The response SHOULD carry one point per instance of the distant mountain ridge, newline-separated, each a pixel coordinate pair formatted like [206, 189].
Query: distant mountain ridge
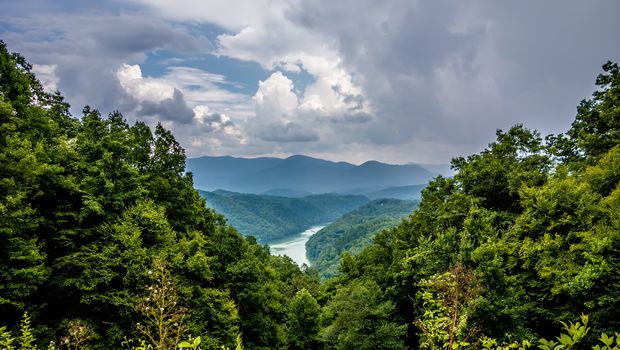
[398, 192]
[301, 174]
[272, 217]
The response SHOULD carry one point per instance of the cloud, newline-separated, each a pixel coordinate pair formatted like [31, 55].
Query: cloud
[231, 14]
[156, 97]
[196, 86]
[174, 108]
[127, 34]
[432, 70]
[131, 79]
[281, 115]
[182, 96]
[46, 73]
[214, 121]
[356, 117]
[88, 47]
[399, 81]
[278, 43]
[275, 98]
[210, 131]
[288, 132]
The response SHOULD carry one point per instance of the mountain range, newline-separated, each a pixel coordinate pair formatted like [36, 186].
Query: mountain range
[299, 176]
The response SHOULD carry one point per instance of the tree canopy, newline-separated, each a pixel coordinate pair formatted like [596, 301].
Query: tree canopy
[89, 204]
[535, 220]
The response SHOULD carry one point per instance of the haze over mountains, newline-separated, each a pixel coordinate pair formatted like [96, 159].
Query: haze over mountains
[297, 176]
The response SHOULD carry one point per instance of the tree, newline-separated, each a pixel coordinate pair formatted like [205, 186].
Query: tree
[358, 318]
[302, 322]
[596, 128]
[445, 302]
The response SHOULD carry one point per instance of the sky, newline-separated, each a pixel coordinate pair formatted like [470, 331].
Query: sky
[348, 80]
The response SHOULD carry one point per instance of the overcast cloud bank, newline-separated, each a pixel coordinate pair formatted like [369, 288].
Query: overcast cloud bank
[400, 81]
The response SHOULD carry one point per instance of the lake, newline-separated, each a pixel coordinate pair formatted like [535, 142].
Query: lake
[295, 245]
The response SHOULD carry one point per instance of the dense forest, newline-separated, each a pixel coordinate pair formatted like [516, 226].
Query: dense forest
[91, 208]
[105, 244]
[353, 232]
[269, 218]
[525, 235]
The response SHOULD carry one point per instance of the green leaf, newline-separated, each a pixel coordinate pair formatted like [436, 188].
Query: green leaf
[565, 339]
[606, 339]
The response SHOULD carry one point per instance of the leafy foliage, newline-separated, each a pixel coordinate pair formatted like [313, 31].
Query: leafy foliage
[444, 304]
[359, 319]
[302, 322]
[88, 205]
[535, 221]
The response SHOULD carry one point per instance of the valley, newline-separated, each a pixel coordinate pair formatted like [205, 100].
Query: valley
[294, 246]
[297, 226]
[270, 218]
[365, 200]
[321, 246]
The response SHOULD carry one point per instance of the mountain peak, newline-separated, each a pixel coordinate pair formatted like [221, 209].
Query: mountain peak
[300, 156]
[371, 163]
[301, 174]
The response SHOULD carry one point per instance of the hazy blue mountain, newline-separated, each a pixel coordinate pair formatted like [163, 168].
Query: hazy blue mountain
[286, 192]
[442, 169]
[271, 217]
[399, 192]
[301, 174]
[354, 231]
[211, 173]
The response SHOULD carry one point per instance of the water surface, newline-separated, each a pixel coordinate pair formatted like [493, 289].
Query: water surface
[295, 245]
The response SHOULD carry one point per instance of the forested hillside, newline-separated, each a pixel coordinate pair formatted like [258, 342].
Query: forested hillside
[270, 217]
[100, 229]
[105, 244]
[525, 235]
[353, 232]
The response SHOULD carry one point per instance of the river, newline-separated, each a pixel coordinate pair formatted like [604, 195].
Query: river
[295, 245]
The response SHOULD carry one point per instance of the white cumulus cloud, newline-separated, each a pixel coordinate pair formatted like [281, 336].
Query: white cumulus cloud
[46, 73]
[275, 98]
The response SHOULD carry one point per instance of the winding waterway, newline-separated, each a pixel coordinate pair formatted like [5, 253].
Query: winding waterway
[295, 245]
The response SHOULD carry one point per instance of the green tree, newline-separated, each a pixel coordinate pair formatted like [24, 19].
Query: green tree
[596, 128]
[86, 205]
[359, 318]
[302, 322]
